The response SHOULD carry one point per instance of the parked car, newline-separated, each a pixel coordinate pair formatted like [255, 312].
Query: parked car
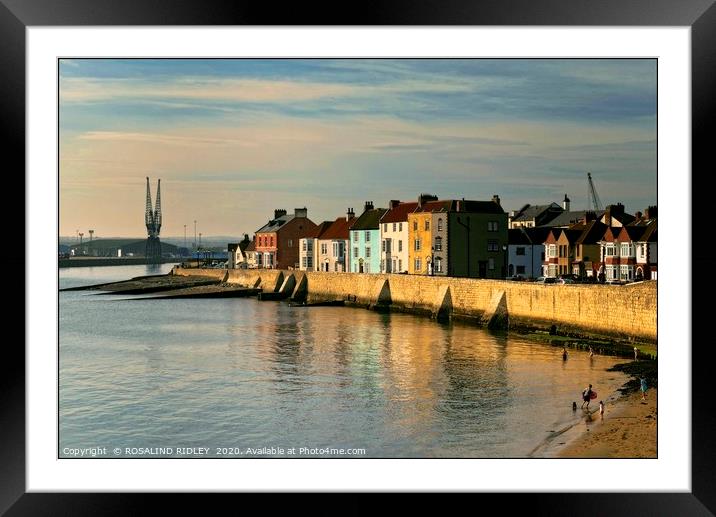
[546, 280]
[564, 281]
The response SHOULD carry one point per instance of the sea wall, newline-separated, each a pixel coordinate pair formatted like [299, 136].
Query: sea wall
[626, 311]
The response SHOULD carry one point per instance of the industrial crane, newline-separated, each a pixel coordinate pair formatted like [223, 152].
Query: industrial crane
[593, 193]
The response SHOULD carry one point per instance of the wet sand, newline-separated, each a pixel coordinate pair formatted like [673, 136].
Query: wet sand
[628, 430]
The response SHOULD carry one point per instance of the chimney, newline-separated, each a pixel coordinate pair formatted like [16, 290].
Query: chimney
[565, 203]
[246, 237]
[458, 205]
[650, 212]
[394, 203]
[350, 214]
[300, 212]
[368, 206]
[589, 215]
[637, 215]
[423, 198]
[496, 199]
[278, 213]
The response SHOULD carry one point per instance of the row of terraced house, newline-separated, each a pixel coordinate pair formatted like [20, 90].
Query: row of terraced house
[459, 237]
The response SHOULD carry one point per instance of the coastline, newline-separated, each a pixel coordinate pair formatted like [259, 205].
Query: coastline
[628, 430]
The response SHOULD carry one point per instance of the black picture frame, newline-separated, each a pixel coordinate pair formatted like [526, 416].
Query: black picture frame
[700, 15]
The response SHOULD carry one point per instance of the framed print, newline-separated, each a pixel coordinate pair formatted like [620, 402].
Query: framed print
[466, 373]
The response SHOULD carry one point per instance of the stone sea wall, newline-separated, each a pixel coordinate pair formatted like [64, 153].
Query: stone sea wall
[626, 311]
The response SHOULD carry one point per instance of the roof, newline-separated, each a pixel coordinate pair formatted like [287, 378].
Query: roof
[232, 246]
[274, 224]
[631, 233]
[650, 233]
[531, 212]
[434, 206]
[517, 236]
[572, 235]
[251, 246]
[339, 229]
[319, 231]
[400, 213]
[464, 205]
[369, 219]
[537, 235]
[592, 233]
[571, 217]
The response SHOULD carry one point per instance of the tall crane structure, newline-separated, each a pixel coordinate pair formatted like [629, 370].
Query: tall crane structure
[593, 197]
[153, 220]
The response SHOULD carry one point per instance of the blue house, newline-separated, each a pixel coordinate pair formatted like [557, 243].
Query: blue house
[364, 241]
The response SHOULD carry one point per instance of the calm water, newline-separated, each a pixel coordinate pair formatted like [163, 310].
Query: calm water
[238, 373]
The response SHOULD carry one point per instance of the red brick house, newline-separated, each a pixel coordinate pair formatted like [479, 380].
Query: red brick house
[277, 242]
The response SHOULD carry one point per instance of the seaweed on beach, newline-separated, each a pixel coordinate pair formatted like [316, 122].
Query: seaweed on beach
[637, 369]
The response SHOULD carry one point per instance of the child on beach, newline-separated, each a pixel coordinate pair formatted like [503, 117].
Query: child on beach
[564, 354]
[591, 352]
[643, 388]
[586, 396]
[601, 409]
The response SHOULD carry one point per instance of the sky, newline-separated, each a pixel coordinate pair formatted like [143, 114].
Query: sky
[232, 140]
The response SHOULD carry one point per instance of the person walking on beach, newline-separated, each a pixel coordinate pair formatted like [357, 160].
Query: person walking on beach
[591, 352]
[564, 354]
[586, 396]
[643, 388]
[601, 409]
[636, 353]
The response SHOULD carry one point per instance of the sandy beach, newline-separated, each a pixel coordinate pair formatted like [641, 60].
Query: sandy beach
[628, 430]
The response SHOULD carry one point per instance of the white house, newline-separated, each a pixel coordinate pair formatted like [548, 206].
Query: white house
[394, 237]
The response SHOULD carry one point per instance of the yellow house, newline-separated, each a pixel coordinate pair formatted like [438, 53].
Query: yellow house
[427, 237]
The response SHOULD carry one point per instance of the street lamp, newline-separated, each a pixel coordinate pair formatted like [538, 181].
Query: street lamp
[504, 261]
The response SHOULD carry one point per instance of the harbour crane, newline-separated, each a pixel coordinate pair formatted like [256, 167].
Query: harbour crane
[594, 198]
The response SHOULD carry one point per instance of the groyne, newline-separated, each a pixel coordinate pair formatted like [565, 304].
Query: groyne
[615, 311]
[108, 261]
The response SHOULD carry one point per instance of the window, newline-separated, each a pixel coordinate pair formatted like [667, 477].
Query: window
[490, 263]
[382, 244]
[427, 224]
[303, 244]
[520, 250]
[438, 243]
[438, 265]
[416, 246]
[400, 245]
[367, 253]
[491, 226]
[310, 262]
[440, 224]
[611, 250]
[552, 250]
[367, 236]
[400, 227]
[290, 243]
[355, 236]
[303, 262]
[400, 265]
[355, 252]
[385, 227]
[415, 225]
[310, 244]
[520, 270]
[393, 226]
[492, 246]
[417, 264]
[324, 248]
[337, 249]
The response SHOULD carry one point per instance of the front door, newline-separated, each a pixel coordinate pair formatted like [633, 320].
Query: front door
[482, 269]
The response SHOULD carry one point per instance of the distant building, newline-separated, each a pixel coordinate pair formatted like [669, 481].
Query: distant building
[251, 254]
[587, 258]
[530, 216]
[277, 242]
[333, 245]
[365, 240]
[237, 253]
[308, 252]
[525, 251]
[629, 253]
[560, 251]
[394, 237]
[458, 237]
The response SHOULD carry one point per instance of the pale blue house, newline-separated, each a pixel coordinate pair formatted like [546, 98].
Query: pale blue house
[364, 243]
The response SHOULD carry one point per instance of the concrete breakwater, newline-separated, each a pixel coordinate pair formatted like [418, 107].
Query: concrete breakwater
[623, 312]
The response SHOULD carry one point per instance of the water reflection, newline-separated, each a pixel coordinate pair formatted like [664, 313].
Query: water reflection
[265, 373]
